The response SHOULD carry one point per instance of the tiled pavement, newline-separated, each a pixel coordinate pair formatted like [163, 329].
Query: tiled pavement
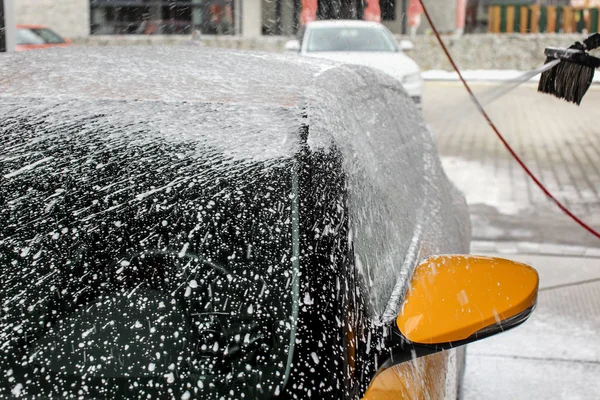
[560, 142]
[554, 354]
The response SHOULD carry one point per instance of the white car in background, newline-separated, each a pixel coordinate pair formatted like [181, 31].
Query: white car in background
[363, 43]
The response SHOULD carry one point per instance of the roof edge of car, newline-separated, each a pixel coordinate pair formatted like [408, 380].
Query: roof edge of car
[31, 26]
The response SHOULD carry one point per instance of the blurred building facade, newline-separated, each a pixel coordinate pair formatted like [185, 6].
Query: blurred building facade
[533, 16]
[81, 18]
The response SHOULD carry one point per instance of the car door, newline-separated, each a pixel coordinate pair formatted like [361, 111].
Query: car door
[398, 198]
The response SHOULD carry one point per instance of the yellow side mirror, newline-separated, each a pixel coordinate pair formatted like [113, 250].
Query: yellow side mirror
[461, 298]
[452, 300]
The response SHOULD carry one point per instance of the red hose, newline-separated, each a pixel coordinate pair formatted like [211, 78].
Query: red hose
[508, 147]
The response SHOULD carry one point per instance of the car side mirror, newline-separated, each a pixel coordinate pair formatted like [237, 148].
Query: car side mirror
[292, 46]
[457, 299]
[453, 300]
[406, 45]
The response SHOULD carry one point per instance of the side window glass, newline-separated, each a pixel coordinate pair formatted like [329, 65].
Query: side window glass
[142, 259]
[385, 157]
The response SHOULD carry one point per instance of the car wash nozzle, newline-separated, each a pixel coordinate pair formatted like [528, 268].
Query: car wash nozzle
[572, 75]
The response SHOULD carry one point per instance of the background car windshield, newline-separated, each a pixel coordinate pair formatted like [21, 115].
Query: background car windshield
[136, 263]
[48, 36]
[349, 39]
[28, 36]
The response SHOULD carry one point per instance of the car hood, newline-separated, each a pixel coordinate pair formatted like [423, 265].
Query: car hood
[395, 64]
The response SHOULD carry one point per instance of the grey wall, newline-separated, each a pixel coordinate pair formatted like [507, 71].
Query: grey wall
[443, 14]
[69, 18]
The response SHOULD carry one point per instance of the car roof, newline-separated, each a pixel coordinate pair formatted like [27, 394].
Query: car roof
[249, 105]
[343, 23]
[177, 73]
[31, 26]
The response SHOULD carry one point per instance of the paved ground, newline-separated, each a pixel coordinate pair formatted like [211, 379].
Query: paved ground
[559, 141]
[553, 355]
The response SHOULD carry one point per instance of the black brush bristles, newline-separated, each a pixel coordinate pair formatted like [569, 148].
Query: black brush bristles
[572, 81]
[572, 76]
[548, 78]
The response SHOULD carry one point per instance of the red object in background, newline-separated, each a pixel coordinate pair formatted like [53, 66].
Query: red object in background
[309, 11]
[415, 9]
[461, 11]
[220, 13]
[372, 11]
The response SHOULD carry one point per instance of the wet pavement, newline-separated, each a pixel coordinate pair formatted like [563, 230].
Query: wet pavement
[553, 355]
[560, 142]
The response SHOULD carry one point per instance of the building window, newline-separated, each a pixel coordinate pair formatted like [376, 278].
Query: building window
[109, 17]
[388, 10]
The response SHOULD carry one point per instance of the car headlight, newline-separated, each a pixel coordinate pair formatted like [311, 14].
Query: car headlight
[415, 77]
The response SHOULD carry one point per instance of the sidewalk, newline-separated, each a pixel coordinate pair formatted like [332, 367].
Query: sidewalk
[553, 355]
[508, 249]
[556, 353]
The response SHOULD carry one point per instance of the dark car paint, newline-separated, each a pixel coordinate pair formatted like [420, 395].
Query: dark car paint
[355, 249]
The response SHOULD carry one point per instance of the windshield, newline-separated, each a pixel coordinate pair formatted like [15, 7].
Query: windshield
[350, 39]
[139, 264]
[37, 36]
[48, 36]
[27, 36]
